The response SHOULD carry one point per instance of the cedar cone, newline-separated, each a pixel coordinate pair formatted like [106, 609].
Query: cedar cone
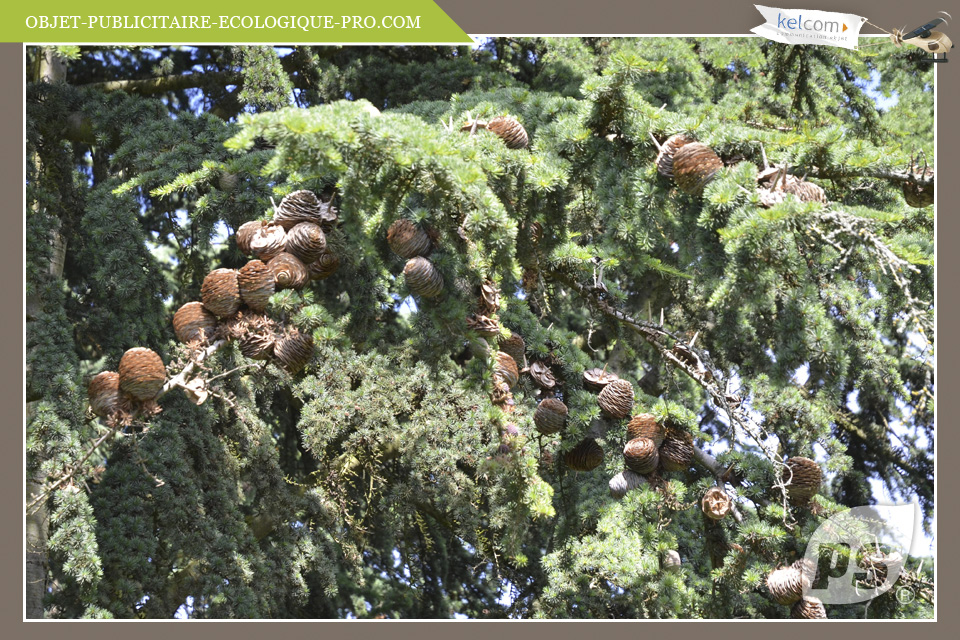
[104, 393]
[245, 234]
[806, 191]
[640, 455]
[193, 323]
[256, 283]
[305, 206]
[423, 279]
[597, 379]
[515, 347]
[645, 425]
[257, 346]
[918, 196]
[221, 293]
[289, 271]
[293, 351]
[623, 482]
[306, 241]
[616, 399]
[407, 240]
[805, 480]
[506, 369]
[267, 241]
[510, 131]
[808, 608]
[787, 584]
[142, 373]
[716, 504]
[694, 165]
[542, 375]
[228, 181]
[489, 298]
[667, 151]
[670, 561]
[586, 456]
[324, 266]
[676, 452]
[550, 416]
[484, 326]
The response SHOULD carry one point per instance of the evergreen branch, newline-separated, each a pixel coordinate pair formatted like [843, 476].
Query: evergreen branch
[858, 230]
[163, 84]
[867, 172]
[652, 334]
[72, 470]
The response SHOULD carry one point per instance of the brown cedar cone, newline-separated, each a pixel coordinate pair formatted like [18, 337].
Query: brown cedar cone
[586, 456]
[506, 369]
[597, 379]
[267, 241]
[306, 241]
[623, 482]
[808, 608]
[716, 504]
[407, 240]
[676, 452]
[616, 399]
[289, 271]
[142, 373]
[245, 234]
[640, 455]
[668, 150]
[423, 279]
[193, 323]
[256, 283]
[542, 375]
[806, 191]
[257, 346]
[510, 131]
[644, 425]
[694, 165]
[305, 206]
[501, 393]
[550, 416]
[918, 196]
[293, 350]
[324, 266]
[484, 326]
[515, 347]
[104, 393]
[787, 584]
[806, 478]
[221, 293]
[670, 561]
[489, 298]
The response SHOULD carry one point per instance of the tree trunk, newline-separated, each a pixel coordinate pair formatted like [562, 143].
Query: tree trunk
[52, 69]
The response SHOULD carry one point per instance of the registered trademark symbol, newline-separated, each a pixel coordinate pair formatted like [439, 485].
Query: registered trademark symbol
[905, 595]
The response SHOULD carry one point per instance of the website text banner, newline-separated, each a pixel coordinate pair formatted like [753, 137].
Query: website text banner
[178, 21]
[803, 26]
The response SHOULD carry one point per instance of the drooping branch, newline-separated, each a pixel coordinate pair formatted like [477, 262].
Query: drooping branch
[653, 334]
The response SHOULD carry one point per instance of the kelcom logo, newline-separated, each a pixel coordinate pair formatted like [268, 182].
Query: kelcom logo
[799, 24]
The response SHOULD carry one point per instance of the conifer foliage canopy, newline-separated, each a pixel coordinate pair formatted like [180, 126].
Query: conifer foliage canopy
[401, 473]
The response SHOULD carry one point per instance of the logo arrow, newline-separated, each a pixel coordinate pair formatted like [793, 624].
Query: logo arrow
[844, 28]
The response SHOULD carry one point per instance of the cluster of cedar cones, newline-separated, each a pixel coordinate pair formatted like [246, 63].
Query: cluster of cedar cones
[692, 165]
[288, 252]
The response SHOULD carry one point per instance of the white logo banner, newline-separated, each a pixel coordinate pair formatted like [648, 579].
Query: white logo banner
[802, 26]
